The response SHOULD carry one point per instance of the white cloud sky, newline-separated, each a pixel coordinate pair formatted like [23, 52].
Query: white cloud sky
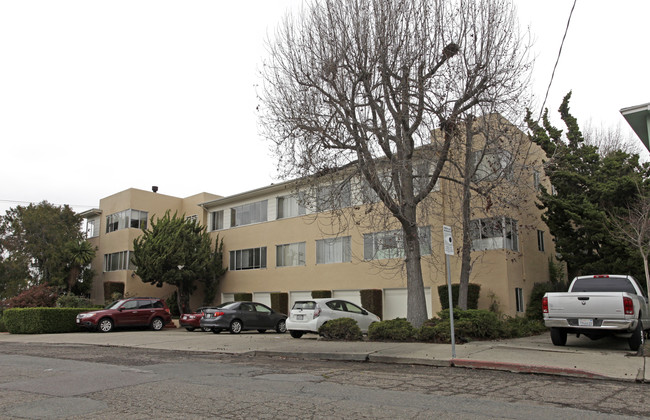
[98, 97]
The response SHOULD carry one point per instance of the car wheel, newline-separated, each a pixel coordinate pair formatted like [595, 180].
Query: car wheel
[636, 340]
[205, 329]
[281, 328]
[105, 325]
[190, 329]
[157, 324]
[235, 327]
[216, 330]
[261, 331]
[296, 334]
[558, 336]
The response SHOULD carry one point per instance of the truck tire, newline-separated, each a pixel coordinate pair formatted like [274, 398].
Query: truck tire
[636, 340]
[558, 336]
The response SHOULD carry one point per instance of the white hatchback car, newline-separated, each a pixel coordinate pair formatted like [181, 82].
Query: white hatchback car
[307, 316]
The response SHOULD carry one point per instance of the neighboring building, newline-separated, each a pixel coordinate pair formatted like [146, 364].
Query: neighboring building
[113, 227]
[639, 119]
[274, 244]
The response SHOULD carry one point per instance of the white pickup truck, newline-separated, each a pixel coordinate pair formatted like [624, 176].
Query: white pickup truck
[598, 306]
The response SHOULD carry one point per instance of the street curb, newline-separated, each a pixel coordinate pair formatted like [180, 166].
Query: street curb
[407, 361]
[522, 368]
[346, 357]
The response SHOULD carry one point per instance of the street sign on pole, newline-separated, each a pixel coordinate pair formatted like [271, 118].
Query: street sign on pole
[449, 250]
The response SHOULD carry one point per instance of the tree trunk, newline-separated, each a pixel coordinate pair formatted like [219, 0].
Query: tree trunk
[466, 215]
[416, 312]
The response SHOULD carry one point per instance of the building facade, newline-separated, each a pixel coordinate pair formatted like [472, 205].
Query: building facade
[276, 242]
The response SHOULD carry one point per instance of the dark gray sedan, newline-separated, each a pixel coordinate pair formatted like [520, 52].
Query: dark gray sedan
[241, 316]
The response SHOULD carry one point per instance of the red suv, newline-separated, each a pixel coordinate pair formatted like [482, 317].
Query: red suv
[129, 312]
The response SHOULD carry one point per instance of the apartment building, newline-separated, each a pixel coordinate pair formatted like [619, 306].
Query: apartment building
[277, 242]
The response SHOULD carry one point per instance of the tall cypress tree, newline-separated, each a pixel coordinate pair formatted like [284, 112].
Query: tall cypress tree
[587, 190]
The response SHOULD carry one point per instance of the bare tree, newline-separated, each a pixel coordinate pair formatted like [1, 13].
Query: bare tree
[610, 139]
[361, 85]
[633, 227]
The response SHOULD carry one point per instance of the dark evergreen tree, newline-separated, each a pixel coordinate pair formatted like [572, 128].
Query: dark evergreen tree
[587, 190]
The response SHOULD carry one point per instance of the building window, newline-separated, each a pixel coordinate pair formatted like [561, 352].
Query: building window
[289, 206]
[216, 220]
[333, 250]
[336, 196]
[193, 218]
[390, 244]
[249, 213]
[494, 233]
[519, 297]
[290, 255]
[540, 240]
[248, 259]
[126, 219]
[92, 228]
[492, 165]
[118, 261]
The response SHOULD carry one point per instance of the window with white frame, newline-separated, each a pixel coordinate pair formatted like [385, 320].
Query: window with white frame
[216, 220]
[390, 244]
[289, 206]
[192, 218]
[494, 233]
[519, 298]
[290, 255]
[126, 219]
[334, 196]
[118, 261]
[540, 240]
[248, 259]
[248, 214]
[491, 165]
[333, 250]
[92, 228]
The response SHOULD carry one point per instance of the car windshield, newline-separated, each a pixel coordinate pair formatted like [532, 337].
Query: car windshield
[115, 304]
[305, 305]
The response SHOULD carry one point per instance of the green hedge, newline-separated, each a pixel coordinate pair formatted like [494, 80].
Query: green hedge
[42, 320]
[321, 294]
[341, 329]
[398, 329]
[243, 297]
[280, 302]
[371, 299]
[473, 292]
[3, 327]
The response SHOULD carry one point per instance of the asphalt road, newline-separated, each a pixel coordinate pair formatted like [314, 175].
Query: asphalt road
[93, 382]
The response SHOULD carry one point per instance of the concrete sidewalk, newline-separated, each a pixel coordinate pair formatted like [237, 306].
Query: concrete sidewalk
[609, 358]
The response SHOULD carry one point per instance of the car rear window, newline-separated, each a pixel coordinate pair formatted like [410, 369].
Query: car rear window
[604, 284]
[310, 304]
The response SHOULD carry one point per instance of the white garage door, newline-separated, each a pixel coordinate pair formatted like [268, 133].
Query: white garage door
[262, 297]
[227, 297]
[294, 296]
[350, 295]
[395, 303]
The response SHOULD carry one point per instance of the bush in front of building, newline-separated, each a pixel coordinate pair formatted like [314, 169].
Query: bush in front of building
[522, 327]
[3, 327]
[42, 320]
[341, 329]
[42, 296]
[473, 292]
[72, 301]
[243, 297]
[371, 299]
[321, 294]
[398, 329]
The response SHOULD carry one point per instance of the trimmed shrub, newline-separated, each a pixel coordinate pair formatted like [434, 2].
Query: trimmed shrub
[473, 292]
[321, 294]
[41, 296]
[435, 330]
[522, 327]
[534, 306]
[243, 297]
[42, 320]
[371, 299]
[280, 302]
[3, 327]
[72, 301]
[398, 329]
[341, 329]
[172, 304]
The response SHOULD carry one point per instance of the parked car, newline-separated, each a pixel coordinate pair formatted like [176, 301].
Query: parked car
[192, 320]
[130, 312]
[598, 306]
[241, 316]
[307, 316]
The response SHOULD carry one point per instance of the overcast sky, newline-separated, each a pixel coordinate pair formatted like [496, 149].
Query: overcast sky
[97, 97]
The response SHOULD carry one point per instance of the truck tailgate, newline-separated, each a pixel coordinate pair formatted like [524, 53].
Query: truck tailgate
[586, 305]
